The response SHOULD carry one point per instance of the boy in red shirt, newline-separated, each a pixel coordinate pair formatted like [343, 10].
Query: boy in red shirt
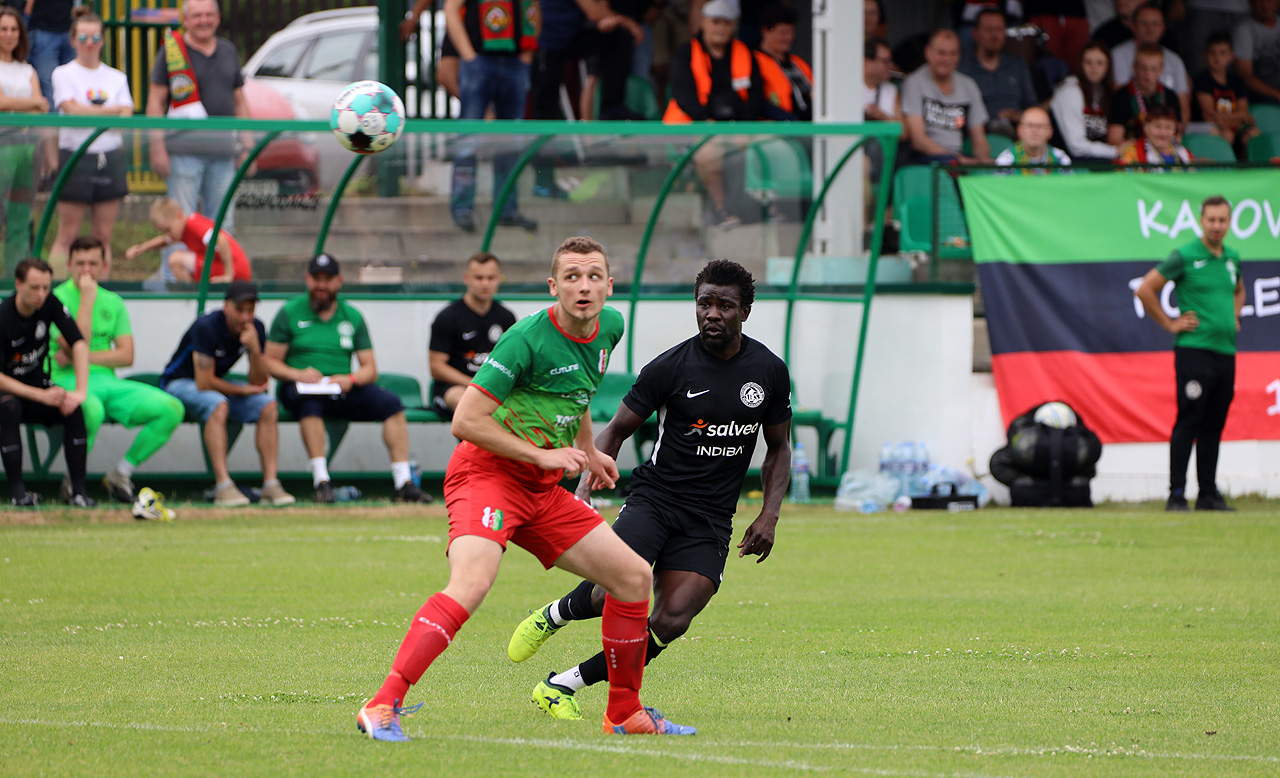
[195, 231]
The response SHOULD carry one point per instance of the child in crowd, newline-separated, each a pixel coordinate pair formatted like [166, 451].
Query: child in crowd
[195, 231]
[1222, 95]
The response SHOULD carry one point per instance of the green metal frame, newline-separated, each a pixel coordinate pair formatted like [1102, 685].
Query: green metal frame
[509, 186]
[55, 193]
[338, 192]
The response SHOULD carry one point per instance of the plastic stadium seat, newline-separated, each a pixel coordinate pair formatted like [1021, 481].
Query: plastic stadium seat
[1265, 147]
[999, 143]
[916, 216]
[613, 387]
[778, 168]
[639, 98]
[916, 181]
[1267, 116]
[1209, 147]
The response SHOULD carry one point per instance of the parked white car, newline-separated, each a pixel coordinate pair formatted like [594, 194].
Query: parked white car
[318, 54]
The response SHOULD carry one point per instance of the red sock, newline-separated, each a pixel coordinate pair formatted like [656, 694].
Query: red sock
[431, 632]
[625, 634]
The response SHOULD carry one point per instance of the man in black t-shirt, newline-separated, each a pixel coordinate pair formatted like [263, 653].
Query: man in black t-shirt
[196, 376]
[464, 333]
[714, 394]
[26, 393]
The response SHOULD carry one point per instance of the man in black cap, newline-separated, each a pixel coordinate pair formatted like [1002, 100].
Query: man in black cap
[26, 394]
[309, 351]
[196, 376]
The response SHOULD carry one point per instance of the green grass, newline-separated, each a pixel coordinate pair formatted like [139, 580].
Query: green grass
[1114, 642]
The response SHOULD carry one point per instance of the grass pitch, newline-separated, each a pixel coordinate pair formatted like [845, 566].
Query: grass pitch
[1113, 642]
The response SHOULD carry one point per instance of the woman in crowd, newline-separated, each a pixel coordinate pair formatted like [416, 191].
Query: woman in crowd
[1081, 103]
[1158, 144]
[19, 93]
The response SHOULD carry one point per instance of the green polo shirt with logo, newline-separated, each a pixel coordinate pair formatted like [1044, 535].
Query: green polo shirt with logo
[1207, 285]
[110, 322]
[325, 345]
[545, 378]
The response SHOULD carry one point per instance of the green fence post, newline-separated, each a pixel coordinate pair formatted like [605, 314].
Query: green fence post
[58, 184]
[509, 186]
[335, 199]
[203, 295]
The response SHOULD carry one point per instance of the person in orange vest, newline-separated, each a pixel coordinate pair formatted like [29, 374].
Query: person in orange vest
[715, 77]
[788, 79]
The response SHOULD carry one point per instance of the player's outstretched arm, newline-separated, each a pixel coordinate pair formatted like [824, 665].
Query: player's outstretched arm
[775, 474]
[473, 422]
[624, 424]
[602, 470]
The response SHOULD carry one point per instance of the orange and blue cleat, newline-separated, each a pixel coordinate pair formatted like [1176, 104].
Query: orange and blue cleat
[647, 721]
[382, 722]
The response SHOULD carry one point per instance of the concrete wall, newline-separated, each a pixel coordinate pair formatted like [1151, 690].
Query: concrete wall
[917, 384]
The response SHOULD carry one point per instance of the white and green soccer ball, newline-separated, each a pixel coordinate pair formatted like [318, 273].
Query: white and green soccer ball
[367, 117]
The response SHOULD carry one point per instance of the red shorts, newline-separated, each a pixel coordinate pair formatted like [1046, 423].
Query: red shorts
[500, 499]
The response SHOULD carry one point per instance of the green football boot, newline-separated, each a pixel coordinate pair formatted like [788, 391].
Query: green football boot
[557, 701]
[531, 634]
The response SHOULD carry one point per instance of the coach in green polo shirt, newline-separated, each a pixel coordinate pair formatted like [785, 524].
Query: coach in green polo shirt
[309, 351]
[102, 317]
[1206, 275]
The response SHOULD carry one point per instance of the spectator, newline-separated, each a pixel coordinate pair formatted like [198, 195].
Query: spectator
[1081, 104]
[1203, 19]
[19, 93]
[1148, 29]
[1257, 44]
[196, 375]
[747, 12]
[1003, 79]
[494, 71]
[1119, 28]
[87, 87]
[1066, 24]
[592, 30]
[26, 394]
[195, 232]
[1157, 144]
[1032, 147]
[880, 99]
[788, 79]
[102, 314]
[715, 77]
[309, 351]
[447, 64]
[874, 23]
[1132, 102]
[49, 24]
[670, 32]
[206, 81]
[464, 333]
[943, 106]
[1222, 96]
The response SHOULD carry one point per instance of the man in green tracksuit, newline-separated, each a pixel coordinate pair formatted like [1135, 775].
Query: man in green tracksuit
[1206, 275]
[102, 317]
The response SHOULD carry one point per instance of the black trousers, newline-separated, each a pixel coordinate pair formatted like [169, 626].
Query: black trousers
[1206, 386]
[16, 411]
[608, 56]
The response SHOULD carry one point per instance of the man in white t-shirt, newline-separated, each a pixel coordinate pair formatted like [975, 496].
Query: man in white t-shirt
[1148, 27]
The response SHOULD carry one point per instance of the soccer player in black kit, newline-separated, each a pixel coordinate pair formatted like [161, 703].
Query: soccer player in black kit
[26, 394]
[714, 394]
[463, 334]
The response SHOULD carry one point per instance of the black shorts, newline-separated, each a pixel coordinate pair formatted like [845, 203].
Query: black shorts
[362, 403]
[673, 538]
[438, 405]
[96, 178]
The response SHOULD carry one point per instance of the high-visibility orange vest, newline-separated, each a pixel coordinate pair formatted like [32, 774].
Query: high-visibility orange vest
[700, 62]
[777, 87]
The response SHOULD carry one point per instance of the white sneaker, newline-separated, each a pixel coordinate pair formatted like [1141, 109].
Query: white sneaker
[276, 495]
[230, 496]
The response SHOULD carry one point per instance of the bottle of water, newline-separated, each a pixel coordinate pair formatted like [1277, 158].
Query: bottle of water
[415, 472]
[918, 486]
[799, 475]
[346, 494]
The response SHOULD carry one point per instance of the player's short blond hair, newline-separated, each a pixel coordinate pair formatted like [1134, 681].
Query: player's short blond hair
[578, 244]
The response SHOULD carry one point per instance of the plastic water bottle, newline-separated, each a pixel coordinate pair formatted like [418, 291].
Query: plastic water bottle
[346, 494]
[918, 487]
[799, 475]
[415, 472]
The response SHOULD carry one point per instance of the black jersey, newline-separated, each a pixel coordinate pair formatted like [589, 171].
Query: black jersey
[25, 341]
[467, 337]
[710, 414]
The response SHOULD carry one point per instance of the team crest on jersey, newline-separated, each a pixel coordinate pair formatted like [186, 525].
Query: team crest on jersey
[1194, 390]
[751, 394]
[604, 359]
[495, 332]
[42, 329]
[492, 518]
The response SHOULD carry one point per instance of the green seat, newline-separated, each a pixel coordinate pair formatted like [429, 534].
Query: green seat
[613, 387]
[999, 143]
[916, 217]
[1265, 147]
[778, 168]
[828, 466]
[916, 181]
[1204, 146]
[639, 99]
[1267, 116]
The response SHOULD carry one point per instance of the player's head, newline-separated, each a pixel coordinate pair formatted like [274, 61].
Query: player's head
[167, 216]
[483, 276]
[723, 294]
[1148, 64]
[239, 305]
[1035, 129]
[324, 279]
[86, 256]
[32, 280]
[580, 277]
[1215, 219]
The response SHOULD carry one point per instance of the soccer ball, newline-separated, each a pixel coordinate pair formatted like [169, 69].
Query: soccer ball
[150, 505]
[367, 117]
[1057, 415]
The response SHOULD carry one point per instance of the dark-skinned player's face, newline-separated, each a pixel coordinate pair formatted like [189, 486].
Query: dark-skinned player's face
[720, 315]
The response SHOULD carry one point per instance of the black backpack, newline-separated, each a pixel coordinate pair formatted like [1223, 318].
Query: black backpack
[1045, 466]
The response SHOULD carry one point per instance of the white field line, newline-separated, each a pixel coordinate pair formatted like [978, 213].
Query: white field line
[719, 746]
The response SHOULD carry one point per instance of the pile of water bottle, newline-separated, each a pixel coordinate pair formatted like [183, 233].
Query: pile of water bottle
[906, 462]
[903, 473]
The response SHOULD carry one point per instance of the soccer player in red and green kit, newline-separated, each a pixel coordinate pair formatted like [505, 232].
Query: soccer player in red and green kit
[525, 423]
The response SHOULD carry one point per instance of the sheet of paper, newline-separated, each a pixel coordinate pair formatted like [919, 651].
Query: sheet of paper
[324, 387]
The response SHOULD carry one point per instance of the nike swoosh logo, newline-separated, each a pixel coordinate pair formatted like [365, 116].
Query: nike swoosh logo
[17, 342]
[470, 335]
[692, 394]
[302, 325]
[1199, 263]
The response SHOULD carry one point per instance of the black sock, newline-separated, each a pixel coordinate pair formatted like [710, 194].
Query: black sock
[75, 441]
[596, 669]
[576, 605]
[11, 444]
